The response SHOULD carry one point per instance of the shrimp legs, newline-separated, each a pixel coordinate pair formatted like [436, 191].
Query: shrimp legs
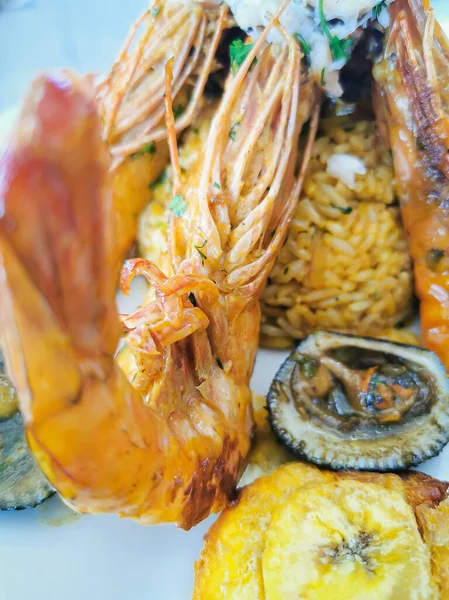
[164, 441]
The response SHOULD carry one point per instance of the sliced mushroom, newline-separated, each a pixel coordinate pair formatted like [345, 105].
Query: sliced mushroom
[349, 402]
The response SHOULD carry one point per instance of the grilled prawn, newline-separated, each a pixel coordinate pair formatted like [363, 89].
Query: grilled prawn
[131, 97]
[163, 439]
[413, 108]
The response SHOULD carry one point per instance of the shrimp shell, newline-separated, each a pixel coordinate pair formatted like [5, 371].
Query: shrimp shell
[164, 442]
[412, 104]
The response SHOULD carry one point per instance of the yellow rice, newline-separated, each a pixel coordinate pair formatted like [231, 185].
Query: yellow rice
[345, 265]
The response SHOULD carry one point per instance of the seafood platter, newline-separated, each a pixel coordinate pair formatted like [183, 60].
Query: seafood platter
[224, 310]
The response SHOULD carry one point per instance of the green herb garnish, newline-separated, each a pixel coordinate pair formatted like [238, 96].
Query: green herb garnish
[285, 270]
[217, 185]
[219, 363]
[238, 51]
[196, 131]
[178, 205]
[233, 131]
[306, 48]
[339, 48]
[199, 248]
[162, 177]
[147, 149]
[178, 110]
[322, 80]
[378, 9]
[156, 10]
[433, 257]
[345, 210]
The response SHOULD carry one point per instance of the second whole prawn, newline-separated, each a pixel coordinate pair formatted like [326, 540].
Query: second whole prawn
[163, 442]
[413, 111]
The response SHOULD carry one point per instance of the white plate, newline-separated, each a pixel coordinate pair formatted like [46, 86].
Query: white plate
[49, 553]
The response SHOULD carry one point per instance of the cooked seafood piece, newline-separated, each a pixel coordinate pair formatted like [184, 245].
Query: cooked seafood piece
[154, 220]
[349, 402]
[22, 483]
[345, 265]
[8, 397]
[413, 110]
[164, 441]
[131, 97]
[304, 533]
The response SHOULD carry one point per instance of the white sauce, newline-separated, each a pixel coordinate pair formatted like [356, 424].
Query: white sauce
[302, 17]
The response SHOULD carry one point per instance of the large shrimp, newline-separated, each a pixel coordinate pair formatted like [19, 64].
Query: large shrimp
[165, 444]
[413, 108]
[131, 97]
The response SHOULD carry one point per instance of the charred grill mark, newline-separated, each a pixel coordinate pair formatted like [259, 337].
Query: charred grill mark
[212, 482]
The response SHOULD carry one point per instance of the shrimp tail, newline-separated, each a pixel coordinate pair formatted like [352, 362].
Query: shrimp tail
[54, 202]
[168, 453]
[55, 199]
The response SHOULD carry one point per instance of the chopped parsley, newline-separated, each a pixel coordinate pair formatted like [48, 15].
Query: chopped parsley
[156, 10]
[162, 177]
[304, 45]
[202, 255]
[147, 149]
[285, 270]
[322, 80]
[178, 110]
[345, 210]
[178, 205]
[433, 257]
[219, 363]
[233, 131]
[238, 51]
[196, 131]
[339, 48]
[217, 185]
[378, 9]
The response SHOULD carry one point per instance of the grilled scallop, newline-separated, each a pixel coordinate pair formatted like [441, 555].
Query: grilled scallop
[349, 402]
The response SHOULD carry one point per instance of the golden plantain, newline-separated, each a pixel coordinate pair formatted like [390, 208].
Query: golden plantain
[304, 533]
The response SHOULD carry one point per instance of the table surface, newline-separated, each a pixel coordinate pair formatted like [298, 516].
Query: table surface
[41, 34]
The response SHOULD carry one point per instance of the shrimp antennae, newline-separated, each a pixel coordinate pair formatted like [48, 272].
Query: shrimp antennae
[131, 95]
[166, 441]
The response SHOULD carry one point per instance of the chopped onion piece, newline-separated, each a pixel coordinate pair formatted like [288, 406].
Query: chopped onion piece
[345, 167]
